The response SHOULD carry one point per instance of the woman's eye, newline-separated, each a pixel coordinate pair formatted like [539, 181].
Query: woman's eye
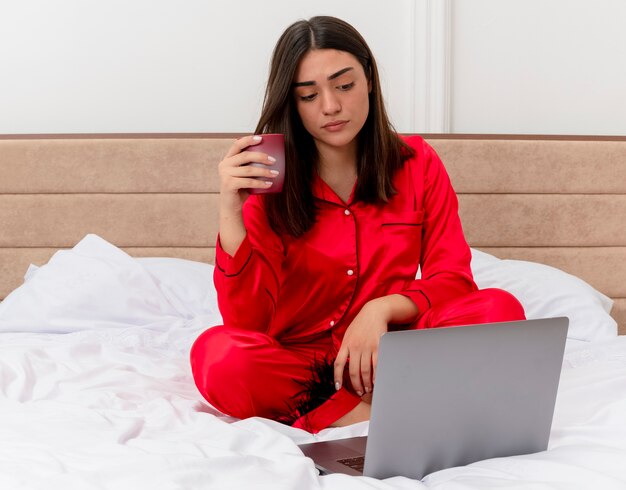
[347, 86]
[308, 98]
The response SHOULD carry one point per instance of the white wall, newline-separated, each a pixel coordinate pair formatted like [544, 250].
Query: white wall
[167, 66]
[493, 66]
[538, 66]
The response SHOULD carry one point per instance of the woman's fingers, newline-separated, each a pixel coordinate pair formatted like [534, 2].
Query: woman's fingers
[360, 370]
[374, 366]
[247, 157]
[250, 161]
[340, 365]
[361, 373]
[354, 369]
[366, 371]
[242, 143]
[236, 171]
[248, 177]
[247, 183]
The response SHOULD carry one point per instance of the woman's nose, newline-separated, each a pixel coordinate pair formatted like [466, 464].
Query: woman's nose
[330, 104]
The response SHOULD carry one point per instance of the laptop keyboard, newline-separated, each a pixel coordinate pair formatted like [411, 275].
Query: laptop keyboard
[354, 463]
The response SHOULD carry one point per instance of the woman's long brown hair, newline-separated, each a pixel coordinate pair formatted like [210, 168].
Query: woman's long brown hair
[380, 151]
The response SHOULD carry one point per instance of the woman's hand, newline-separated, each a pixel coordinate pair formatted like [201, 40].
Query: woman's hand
[362, 338]
[360, 346]
[236, 177]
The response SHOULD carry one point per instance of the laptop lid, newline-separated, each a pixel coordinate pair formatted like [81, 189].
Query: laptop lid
[448, 397]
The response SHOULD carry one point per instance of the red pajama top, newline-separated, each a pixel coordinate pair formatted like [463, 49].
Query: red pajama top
[298, 288]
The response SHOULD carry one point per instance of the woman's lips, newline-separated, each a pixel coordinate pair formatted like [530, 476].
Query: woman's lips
[334, 125]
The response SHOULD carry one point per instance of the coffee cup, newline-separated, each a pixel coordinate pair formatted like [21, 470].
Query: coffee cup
[274, 146]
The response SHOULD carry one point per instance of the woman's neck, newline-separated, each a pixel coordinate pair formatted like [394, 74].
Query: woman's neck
[338, 168]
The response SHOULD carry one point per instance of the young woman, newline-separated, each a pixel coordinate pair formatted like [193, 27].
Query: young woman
[309, 279]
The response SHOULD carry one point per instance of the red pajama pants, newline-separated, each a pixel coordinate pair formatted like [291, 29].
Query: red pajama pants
[247, 373]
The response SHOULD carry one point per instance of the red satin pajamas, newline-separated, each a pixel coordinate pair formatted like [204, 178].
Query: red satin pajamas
[286, 302]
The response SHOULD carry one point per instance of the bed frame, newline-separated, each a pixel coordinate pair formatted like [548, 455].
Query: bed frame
[555, 200]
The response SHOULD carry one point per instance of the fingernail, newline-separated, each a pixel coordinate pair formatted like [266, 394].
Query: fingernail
[337, 385]
[367, 390]
[360, 393]
[257, 138]
[274, 172]
[271, 159]
[267, 183]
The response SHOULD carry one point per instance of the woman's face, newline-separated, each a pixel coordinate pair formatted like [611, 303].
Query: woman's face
[332, 96]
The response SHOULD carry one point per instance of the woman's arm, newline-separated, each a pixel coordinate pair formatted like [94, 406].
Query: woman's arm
[248, 252]
[445, 255]
[236, 177]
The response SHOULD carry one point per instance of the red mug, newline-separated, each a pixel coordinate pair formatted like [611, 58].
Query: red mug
[274, 146]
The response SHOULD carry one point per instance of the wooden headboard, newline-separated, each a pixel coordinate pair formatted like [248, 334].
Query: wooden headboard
[556, 200]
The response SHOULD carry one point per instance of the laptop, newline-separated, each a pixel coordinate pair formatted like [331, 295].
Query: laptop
[452, 396]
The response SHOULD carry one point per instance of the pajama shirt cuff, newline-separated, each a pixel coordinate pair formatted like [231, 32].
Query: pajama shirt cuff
[420, 299]
[232, 266]
[339, 404]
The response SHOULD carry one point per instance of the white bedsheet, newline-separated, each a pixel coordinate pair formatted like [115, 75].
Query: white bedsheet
[116, 408]
[102, 409]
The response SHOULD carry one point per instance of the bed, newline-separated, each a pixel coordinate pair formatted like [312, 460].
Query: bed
[106, 252]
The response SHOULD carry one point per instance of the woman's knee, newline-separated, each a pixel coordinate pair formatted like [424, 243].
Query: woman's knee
[501, 306]
[222, 359]
[482, 306]
[207, 352]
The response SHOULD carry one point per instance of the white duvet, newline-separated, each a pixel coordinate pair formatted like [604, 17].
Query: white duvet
[111, 403]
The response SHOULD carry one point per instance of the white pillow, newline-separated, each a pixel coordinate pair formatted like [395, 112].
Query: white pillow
[93, 285]
[545, 291]
[188, 285]
[98, 285]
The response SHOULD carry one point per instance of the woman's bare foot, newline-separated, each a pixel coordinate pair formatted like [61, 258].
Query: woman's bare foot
[360, 413]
